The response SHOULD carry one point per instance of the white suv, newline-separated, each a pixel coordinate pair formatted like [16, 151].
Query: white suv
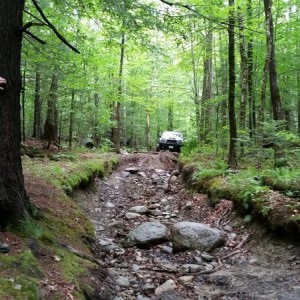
[170, 140]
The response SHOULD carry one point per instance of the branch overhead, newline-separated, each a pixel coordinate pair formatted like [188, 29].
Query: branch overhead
[53, 27]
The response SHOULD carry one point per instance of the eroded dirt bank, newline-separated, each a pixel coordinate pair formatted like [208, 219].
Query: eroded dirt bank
[251, 265]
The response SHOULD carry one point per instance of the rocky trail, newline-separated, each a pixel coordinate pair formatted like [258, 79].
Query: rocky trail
[148, 229]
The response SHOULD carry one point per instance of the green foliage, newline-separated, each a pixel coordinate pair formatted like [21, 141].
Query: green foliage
[24, 263]
[28, 228]
[19, 288]
[247, 187]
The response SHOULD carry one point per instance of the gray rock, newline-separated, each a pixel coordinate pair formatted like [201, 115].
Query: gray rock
[207, 257]
[195, 236]
[146, 235]
[167, 286]
[141, 297]
[164, 201]
[123, 281]
[167, 249]
[131, 215]
[198, 260]
[186, 279]
[108, 246]
[228, 228]
[148, 287]
[140, 209]
[155, 212]
[142, 174]
[189, 268]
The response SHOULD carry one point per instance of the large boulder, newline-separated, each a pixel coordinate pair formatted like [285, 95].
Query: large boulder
[146, 235]
[195, 236]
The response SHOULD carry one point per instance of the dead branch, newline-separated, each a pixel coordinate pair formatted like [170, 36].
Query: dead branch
[53, 28]
[82, 255]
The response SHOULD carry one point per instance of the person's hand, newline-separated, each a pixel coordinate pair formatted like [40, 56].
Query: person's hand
[2, 83]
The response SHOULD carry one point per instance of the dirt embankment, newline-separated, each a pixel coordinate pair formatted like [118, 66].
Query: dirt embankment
[251, 264]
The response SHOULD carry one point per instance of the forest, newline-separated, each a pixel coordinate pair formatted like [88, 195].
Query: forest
[224, 74]
[87, 87]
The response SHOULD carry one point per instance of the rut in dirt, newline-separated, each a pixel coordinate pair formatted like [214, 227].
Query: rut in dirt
[147, 189]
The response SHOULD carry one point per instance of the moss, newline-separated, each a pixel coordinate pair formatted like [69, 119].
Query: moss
[19, 288]
[24, 263]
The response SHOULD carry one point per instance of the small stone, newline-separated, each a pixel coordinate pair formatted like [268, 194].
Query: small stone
[167, 286]
[131, 215]
[155, 212]
[164, 201]
[290, 247]
[123, 281]
[141, 297]
[148, 287]
[140, 209]
[142, 174]
[214, 263]
[135, 267]
[18, 287]
[56, 258]
[189, 268]
[253, 261]
[209, 267]
[207, 257]
[228, 228]
[198, 259]
[167, 249]
[186, 279]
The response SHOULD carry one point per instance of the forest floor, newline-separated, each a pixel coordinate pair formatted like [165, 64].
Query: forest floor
[253, 263]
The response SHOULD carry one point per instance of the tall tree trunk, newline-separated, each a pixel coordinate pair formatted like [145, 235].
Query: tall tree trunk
[274, 89]
[298, 96]
[71, 123]
[37, 106]
[117, 130]
[170, 116]
[207, 87]
[244, 73]
[96, 129]
[23, 104]
[14, 203]
[51, 126]
[263, 93]
[148, 139]
[250, 94]
[232, 157]
[196, 90]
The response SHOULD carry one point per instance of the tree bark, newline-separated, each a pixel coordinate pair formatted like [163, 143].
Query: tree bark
[298, 98]
[196, 91]
[244, 73]
[207, 87]
[51, 126]
[263, 93]
[274, 89]
[72, 113]
[37, 106]
[14, 203]
[232, 156]
[170, 116]
[117, 129]
[250, 93]
[148, 140]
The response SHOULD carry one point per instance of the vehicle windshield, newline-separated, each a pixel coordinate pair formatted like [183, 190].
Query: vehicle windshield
[170, 134]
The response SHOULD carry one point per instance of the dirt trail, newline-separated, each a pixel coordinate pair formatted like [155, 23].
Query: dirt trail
[251, 265]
